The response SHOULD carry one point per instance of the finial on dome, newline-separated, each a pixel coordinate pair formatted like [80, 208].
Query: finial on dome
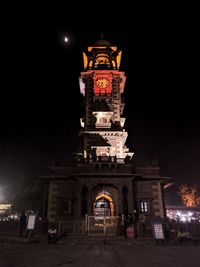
[102, 41]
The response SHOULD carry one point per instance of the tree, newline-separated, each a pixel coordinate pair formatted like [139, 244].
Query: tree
[189, 195]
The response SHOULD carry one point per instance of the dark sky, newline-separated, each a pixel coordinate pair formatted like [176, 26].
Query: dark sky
[40, 100]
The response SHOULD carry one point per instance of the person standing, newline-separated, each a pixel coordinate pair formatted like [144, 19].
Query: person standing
[52, 234]
[22, 223]
[123, 226]
[142, 220]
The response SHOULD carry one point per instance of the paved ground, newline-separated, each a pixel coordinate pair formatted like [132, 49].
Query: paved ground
[96, 252]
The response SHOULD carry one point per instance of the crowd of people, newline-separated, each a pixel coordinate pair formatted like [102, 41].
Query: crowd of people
[128, 227]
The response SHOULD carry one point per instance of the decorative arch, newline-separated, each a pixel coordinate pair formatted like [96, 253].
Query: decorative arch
[104, 204]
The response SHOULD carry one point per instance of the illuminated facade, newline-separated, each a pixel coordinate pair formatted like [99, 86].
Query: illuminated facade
[102, 84]
[5, 208]
[104, 180]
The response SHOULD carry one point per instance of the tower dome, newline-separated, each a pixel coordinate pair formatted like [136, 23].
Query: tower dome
[102, 42]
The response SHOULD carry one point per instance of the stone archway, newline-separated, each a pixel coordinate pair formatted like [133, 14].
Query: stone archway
[104, 210]
[104, 204]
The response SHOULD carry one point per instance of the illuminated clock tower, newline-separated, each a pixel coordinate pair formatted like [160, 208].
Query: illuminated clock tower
[86, 195]
[102, 84]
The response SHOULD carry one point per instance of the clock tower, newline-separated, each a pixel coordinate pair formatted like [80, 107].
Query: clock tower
[102, 84]
[86, 195]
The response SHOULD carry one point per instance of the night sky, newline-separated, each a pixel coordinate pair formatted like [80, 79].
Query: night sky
[41, 103]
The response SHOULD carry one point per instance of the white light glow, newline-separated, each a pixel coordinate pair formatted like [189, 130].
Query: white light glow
[1, 194]
[183, 219]
[66, 39]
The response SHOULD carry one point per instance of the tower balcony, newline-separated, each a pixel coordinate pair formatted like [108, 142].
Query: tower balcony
[103, 125]
[104, 165]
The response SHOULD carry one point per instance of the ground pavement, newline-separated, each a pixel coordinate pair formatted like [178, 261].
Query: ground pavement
[94, 251]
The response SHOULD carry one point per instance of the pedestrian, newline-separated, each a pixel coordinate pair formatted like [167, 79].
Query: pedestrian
[22, 223]
[52, 234]
[123, 226]
[130, 233]
[142, 220]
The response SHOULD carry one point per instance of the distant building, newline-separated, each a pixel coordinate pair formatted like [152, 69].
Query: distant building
[5, 210]
[103, 181]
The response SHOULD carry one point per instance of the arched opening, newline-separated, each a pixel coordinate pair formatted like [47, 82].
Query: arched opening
[104, 205]
[103, 120]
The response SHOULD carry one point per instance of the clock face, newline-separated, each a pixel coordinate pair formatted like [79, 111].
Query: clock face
[102, 82]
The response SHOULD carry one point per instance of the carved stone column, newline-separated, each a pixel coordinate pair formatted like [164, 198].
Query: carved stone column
[89, 204]
[120, 208]
[130, 197]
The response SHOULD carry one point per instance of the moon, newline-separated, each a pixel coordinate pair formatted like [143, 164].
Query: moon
[66, 39]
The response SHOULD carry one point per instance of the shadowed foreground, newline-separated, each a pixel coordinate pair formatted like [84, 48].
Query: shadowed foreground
[91, 251]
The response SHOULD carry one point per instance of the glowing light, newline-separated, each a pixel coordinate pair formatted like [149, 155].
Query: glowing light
[183, 219]
[5, 206]
[66, 39]
[1, 194]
